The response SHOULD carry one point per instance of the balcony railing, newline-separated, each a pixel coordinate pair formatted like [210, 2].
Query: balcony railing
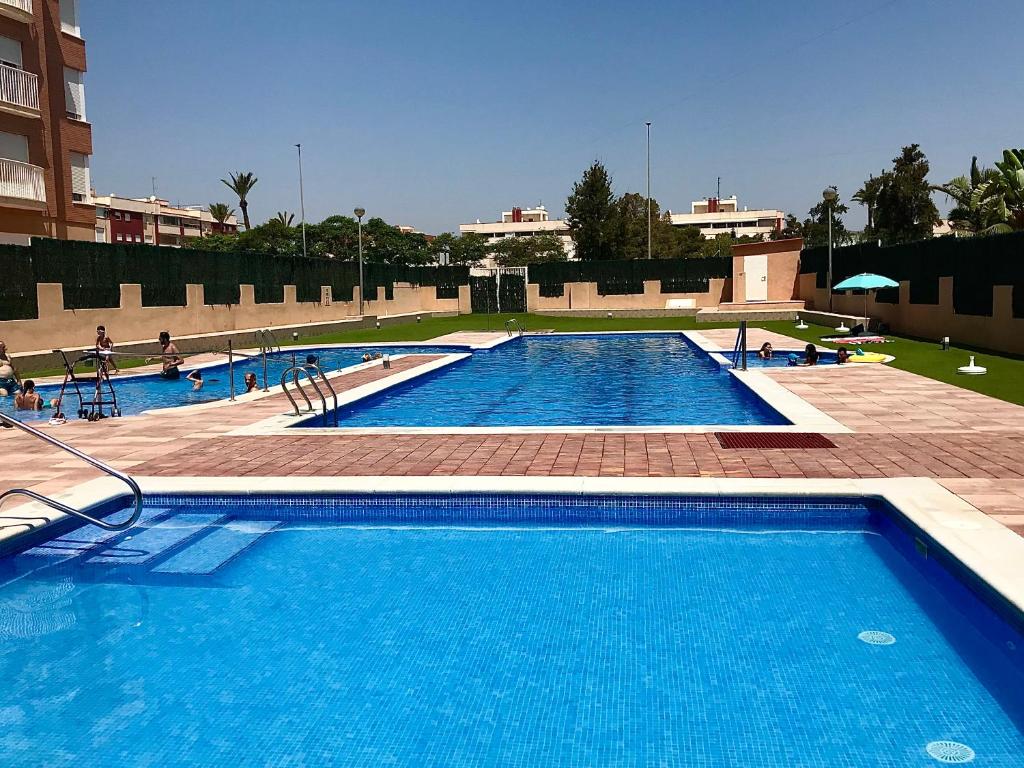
[22, 5]
[19, 87]
[21, 181]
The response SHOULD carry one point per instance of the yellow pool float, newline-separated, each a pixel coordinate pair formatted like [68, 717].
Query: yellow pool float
[870, 357]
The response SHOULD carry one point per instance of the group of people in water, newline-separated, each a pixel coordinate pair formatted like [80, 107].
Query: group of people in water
[11, 385]
[811, 355]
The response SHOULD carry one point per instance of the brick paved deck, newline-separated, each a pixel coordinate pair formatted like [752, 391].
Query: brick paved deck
[904, 426]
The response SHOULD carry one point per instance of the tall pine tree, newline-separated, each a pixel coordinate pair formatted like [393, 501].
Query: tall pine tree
[590, 212]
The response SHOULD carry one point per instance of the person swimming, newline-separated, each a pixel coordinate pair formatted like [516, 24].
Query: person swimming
[196, 377]
[766, 351]
[28, 399]
[842, 356]
[810, 355]
[250, 382]
[169, 358]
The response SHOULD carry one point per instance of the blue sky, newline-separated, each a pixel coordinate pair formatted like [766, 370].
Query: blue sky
[436, 113]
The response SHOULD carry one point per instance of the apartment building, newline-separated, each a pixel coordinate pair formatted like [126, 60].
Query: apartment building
[45, 136]
[716, 216]
[523, 222]
[153, 221]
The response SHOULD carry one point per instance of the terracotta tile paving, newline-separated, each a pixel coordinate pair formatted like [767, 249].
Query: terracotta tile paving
[905, 426]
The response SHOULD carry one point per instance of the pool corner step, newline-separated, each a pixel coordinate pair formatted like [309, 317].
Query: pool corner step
[153, 541]
[209, 553]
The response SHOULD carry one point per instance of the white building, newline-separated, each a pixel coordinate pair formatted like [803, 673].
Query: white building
[522, 222]
[716, 216]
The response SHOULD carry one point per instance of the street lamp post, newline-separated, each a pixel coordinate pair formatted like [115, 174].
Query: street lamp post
[302, 202]
[648, 189]
[360, 212]
[830, 195]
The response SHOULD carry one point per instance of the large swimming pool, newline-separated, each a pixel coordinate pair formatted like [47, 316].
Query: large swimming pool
[569, 380]
[502, 630]
[138, 393]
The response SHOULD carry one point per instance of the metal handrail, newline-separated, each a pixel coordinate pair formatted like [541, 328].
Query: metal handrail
[296, 370]
[52, 503]
[334, 394]
[512, 322]
[268, 340]
[739, 350]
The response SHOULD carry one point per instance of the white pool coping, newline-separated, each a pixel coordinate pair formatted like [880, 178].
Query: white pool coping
[984, 546]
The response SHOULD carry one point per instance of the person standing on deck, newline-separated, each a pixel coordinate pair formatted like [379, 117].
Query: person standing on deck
[105, 348]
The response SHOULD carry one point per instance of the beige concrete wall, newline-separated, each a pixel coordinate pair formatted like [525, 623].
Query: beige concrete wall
[1000, 332]
[57, 327]
[584, 296]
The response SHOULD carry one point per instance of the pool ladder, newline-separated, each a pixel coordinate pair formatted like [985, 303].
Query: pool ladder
[53, 503]
[739, 349]
[513, 325]
[295, 370]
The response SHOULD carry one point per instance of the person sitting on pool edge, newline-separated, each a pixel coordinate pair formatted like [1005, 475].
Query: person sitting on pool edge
[842, 356]
[196, 377]
[250, 381]
[766, 351]
[9, 380]
[28, 399]
[810, 355]
[170, 358]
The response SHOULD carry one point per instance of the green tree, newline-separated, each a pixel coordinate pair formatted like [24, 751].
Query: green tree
[904, 210]
[241, 184]
[221, 212]
[335, 237]
[671, 242]
[1005, 192]
[590, 213]
[522, 251]
[466, 250]
[629, 225]
[815, 227]
[867, 196]
[285, 218]
[791, 228]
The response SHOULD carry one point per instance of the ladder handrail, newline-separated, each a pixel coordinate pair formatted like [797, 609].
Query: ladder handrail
[297, 369]
[513, 322]
[739, 349]
[53, 503]
[334, 394]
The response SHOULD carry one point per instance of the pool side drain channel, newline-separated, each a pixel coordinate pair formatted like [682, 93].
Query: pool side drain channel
[773, 440]
[950, 752]
[874, 637]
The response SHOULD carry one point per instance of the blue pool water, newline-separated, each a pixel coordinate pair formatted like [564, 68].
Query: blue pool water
[483, 631]
[780, 359]
[571, 380]
[139, 393]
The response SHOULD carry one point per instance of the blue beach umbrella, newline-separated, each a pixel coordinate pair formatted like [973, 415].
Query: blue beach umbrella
[865, 281]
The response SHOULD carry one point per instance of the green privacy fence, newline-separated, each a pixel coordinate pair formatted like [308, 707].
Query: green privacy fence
[976, 264]
[628, 277]
[92, 273]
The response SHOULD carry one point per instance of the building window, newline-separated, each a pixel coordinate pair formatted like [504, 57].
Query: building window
[14, 146]
[127, 216]
[69, 17]
[10, 52]
[138, 238]
[102, 213]
[117, 215]
[101, 235]
[120, 237]
[149, 239]
[79, 177]
[74, 93]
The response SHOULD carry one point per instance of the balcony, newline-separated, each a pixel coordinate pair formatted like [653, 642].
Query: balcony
[20, 10]
[21, 185]
[19, 91]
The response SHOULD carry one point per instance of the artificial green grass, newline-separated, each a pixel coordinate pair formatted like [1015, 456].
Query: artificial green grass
[1005, 378]
[122, 363]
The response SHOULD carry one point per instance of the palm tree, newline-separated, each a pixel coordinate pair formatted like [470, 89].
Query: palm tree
[221, 212]
[285, 218]
[1005, 192]
[868, 196]
[975, 208]
[241, 184]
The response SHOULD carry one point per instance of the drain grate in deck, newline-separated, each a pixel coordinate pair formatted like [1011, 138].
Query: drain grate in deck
[769, 440]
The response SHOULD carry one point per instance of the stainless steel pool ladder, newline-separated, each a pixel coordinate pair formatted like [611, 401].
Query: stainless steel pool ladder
[330, 387]
[53, 503]
[739, 349]
[513, 324]
[294, 371]
[268, 341]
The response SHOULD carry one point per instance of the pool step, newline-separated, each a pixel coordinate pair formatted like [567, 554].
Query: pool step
[207, 554]
[151, 542]
[87, 538]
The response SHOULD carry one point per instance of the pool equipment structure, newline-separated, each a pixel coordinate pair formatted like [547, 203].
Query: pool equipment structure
[800, 324]
[99, 390]
[971, 369]
[53, 503]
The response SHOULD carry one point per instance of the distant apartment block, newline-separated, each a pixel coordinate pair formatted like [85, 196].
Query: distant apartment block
[45, 137]
[716, 216]
[522, 222]
[152, 221]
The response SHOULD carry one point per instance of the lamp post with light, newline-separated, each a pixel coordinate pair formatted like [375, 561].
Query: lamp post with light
[360, 212]
[830, 195]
